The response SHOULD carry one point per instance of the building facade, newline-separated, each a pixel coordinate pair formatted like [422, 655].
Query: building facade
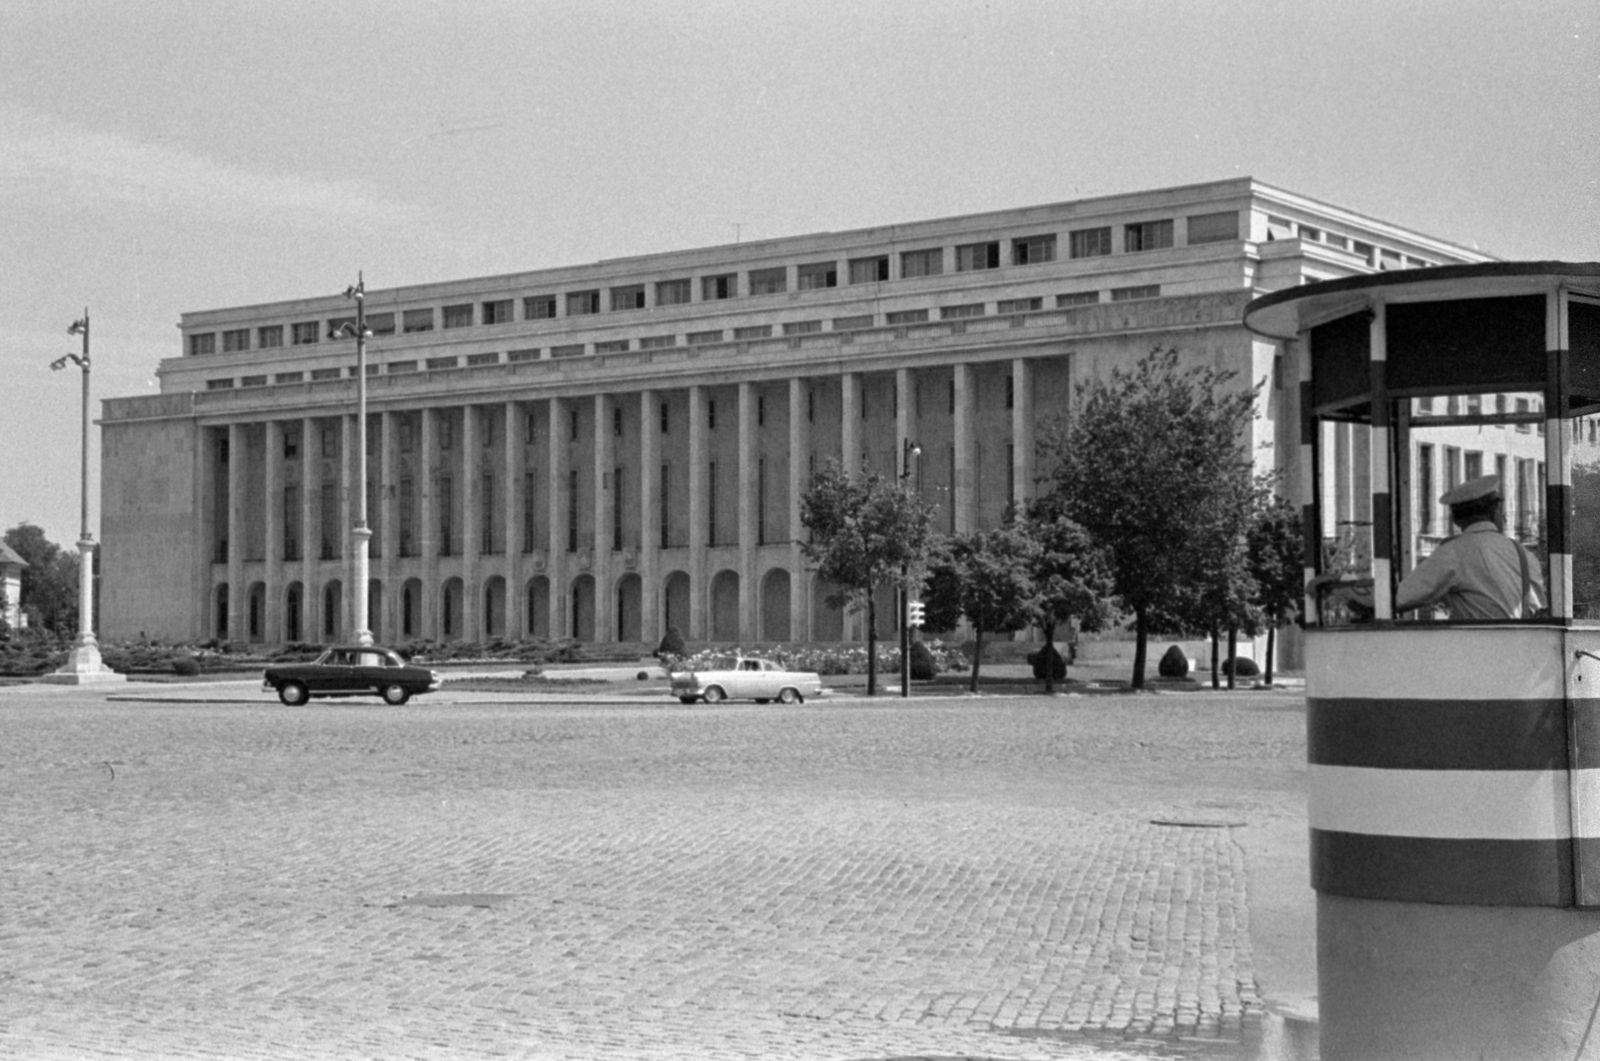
[605, 450]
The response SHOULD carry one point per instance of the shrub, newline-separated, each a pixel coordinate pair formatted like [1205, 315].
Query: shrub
[1174, 664]
[187, 666]
[1047, 661]
[923, 666]
[1241, 667]
[672, 645]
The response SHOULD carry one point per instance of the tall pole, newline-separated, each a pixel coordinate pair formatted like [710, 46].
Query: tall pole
[362, 534]
[83, 663]
[908, 449]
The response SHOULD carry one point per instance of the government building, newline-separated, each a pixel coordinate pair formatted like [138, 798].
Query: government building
[600, 451]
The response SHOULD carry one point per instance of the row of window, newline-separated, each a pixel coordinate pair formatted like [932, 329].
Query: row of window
[1092, 242]
[893, 318]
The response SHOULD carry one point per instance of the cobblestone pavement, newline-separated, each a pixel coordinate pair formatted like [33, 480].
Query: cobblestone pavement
[1021, 878]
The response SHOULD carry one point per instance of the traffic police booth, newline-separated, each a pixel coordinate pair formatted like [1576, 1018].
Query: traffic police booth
[1454, 766]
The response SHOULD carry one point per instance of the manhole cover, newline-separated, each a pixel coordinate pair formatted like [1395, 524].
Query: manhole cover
[482, 899]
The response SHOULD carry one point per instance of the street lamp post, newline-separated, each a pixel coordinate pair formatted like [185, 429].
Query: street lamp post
[83, 664]
[361, 534]
[908, 449]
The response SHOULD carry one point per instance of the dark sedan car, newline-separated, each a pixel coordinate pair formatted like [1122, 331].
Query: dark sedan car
[354, 670]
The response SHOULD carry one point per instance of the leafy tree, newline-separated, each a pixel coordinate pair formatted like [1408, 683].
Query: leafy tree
[5, 610]
[1071, 575]
[49, 582]
[986, 576]
[866, 531]
[1277, 567]
[1150, 464]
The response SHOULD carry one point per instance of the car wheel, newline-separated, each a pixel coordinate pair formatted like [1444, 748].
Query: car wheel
[789, 696]
[687, 699]
[713, 693]
[396, 694]
[293, 693]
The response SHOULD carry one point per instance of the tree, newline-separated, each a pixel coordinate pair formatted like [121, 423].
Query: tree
[1071, 575]
[49, 582]
[986, 576]
[1149, 465]
[1277, 565]
[866, 531]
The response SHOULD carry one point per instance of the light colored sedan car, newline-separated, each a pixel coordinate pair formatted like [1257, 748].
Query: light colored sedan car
[749, 678]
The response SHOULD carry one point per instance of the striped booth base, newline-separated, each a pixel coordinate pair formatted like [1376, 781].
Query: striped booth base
[1454, 796]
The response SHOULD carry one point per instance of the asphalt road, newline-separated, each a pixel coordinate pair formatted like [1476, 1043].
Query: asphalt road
[1072, 877]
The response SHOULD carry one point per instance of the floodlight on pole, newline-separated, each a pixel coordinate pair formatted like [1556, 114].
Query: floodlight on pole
[361, 535]
[908, 449]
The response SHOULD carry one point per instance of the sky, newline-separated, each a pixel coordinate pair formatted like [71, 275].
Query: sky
[159, 157]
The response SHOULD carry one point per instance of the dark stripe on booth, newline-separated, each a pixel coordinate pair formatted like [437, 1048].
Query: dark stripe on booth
[1310, 537]
[1308, 415]
[1586, 870]
[1428, 870]
[1557, 497]
[1440, 734]
[1382, 529]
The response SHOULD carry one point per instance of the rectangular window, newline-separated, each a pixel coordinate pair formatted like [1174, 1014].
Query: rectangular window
[711, 504]
[1425, 493]
[701, 338]
[769, 281]
[971, 309]
[572, 425]
[407, 434]
[1366, 250]
[202, 344]
[329, 434]
[761, 501]
[711, 415]
[972, 257]
[1090, 242]
[341, 328]
[291, 521]
[906, 316]
[657, 342]
[582, 303]
[672, 292]
[666, 420]
[289, 377]
[616, 422]
[330, 522]
[459, 316]
[253, 381]
[572, 511]
[1146, 236]
[447, 432]
[1213, 228]
[630, 296]
[528, 481]
[443, 362]
[761, 410]
[380, 324]
[483, 359]
[1011, 392]
[270, 336]
[539, 308]
[754, 331]
[802, 327]
[514, 356]
[408, 516]
[848, 324]
[1018, 305]
[1473, 464]
[401, 366]
[324, 373]
[921, 263]
[716, 288]
[817, 275]
[616, 507]
[1523, 407]
[304, 333]
[497, 312]
[872, 270]
[417, 320]
[1307, 233]
[1128, 294]
[567, 350]
[1077, 298]
[235, 340]
[666, 507]
[611, 346]
[1032, 250]
[486, 543]
[446, 516]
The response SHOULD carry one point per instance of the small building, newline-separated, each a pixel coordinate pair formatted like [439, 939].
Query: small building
[11, 566]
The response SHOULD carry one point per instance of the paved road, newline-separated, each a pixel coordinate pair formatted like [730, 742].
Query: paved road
[987, 878]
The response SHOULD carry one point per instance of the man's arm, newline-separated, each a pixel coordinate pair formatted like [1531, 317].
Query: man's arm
[1428, 582]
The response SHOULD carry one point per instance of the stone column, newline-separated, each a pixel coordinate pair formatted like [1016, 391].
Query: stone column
[272, 566]
[799, 469]
[749, 483]
[237, 459]
[1022, 430]
[699, 513]
[556, 563]
[471, 494]
[963, 488]
[605, 626]
[651, 628]
[850, 422]
[515, 463]
[428, 523]
[310, 539]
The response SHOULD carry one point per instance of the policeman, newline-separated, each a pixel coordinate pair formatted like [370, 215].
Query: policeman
[1479, 573]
